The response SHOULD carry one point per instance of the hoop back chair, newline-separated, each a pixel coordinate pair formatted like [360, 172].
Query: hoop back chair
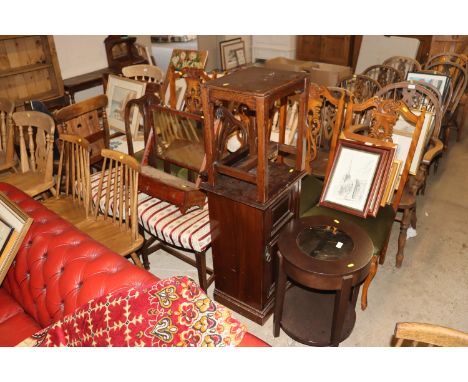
[459, 78]
[7, 154]
[363, 87]
[384, 74]
[419, 334]
[36, 160]
[417, 96]
[114, 216]
[72, 200]
[383, 116]
[403, 64]
[87, 119]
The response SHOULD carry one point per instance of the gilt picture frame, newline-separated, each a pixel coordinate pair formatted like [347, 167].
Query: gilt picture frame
[354, 180]
[119, 91]
[14, 224]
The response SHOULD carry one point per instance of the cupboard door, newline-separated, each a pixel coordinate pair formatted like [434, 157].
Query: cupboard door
[335, 49]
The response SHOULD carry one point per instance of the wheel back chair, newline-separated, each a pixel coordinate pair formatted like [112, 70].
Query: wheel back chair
[384, 74]
[7, 152]
[363, 87]
[403, 64]
[152, 75]
[383, 115]
[417, 96]
[459, 79]
[36, 159]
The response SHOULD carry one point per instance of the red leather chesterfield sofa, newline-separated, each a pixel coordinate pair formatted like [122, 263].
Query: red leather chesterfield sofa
[57, 269]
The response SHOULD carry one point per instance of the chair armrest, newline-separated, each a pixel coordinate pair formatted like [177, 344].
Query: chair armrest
[435, 150]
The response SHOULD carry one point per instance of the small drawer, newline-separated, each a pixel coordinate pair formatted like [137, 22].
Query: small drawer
[281, 213]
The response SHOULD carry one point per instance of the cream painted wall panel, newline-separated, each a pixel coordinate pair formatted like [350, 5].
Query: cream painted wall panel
[265, 47]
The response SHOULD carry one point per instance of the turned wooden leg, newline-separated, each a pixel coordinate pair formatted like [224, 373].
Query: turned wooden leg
[200, 258]
[405, 222]
[446, 137]
[136, 260]
[383, 251]
[414, 218]
[280, 291]
[367, 281]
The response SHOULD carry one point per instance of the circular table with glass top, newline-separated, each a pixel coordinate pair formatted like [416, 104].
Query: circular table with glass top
[326, 260]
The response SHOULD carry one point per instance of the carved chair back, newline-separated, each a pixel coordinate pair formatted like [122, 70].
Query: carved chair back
[38, 156]
[417, 95]
[117, 191]
[403, 64]
[459, 79]
[419, 334]
[384, 74]
[7, 160]
[87, 119]
[382, 115]
[325, 119]
[73, 176]
[363, 87]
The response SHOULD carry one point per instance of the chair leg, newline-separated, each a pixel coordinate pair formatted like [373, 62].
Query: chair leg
[281, 279]
[405, 222]
[200, 258]
[414, 218]
[367, 282]
[136, 260]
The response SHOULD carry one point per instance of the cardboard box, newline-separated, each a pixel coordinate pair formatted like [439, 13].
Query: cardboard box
[320, 72]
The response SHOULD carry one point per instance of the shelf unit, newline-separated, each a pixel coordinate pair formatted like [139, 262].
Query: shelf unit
[29, 69]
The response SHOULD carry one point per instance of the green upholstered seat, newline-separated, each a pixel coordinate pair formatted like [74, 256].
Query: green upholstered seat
[378, 228]
[311, 188]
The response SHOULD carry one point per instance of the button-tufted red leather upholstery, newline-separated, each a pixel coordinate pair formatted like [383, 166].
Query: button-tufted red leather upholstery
[57, 269]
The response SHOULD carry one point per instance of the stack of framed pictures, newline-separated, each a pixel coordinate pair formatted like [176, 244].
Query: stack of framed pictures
[232, 53]
[360, 175]
[14, 225]
[439, 81]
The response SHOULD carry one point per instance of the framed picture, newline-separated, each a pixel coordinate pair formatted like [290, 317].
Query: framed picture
[186, 58]
[439, 81]
[14, 225]
[230, 53]
[119, 91]
[403, 133]
[181, 88]
[356, 177]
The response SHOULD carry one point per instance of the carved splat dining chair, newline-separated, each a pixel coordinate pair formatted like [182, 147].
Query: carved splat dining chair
[7, 152]
[36, 160]
[87, 119]
[418, 334]
[114, 217]
[384, 74]
[459, 79]
[383, 116]
[363, 87]
[72, 200]
[403, 64]
[417, 96]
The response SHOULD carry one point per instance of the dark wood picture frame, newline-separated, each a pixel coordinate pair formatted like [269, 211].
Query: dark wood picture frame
[222, 47]
[378, 173]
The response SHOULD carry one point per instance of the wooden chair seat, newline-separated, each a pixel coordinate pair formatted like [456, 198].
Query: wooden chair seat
[319, 165]
[186, 153]
[31, 183]
[68, 208]
[116, 238]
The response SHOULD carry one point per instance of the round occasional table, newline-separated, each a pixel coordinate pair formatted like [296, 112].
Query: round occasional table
[326, 261]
